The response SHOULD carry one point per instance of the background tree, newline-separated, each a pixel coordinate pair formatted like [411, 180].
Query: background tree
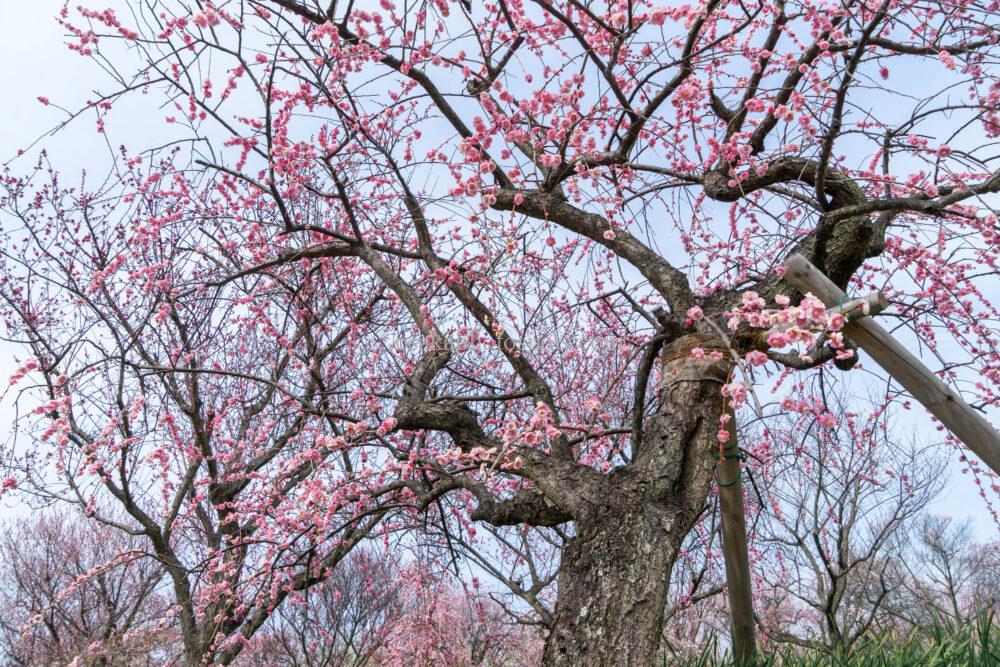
[342, 621]
[843, 501]
[70, 588]
[514, 255]
[948, 576]
[452, 625]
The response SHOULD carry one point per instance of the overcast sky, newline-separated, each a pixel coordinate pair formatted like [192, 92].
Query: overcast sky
[36, 63]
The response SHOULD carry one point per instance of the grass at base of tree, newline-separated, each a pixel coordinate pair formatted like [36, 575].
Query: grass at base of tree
[975, 643]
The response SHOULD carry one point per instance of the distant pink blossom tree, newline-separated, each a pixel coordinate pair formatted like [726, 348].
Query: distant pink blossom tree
[445, 625]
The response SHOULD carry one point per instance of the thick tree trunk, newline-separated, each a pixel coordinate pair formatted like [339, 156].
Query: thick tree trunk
[614, 575]
[613, 587]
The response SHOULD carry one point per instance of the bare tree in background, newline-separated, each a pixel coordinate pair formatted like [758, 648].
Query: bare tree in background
[947, 576]
[64, 587]
[841, 502]
[343, 621]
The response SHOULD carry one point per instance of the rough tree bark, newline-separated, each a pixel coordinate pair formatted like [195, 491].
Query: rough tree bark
[615, 573]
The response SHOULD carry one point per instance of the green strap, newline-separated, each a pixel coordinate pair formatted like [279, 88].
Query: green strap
[730, 456]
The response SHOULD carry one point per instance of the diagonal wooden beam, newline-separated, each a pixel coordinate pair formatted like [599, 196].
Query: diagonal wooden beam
[964, 422]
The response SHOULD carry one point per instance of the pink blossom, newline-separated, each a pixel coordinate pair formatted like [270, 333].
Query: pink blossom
[752, 300]
[835, 321]
[736, 391]
[827, 420]
[778, 339]
[387, 425]
[205, 19]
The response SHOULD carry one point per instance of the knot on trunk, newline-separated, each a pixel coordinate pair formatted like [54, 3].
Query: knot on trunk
[451, 417]
[681, 364]
[527, 506]
[716, 186]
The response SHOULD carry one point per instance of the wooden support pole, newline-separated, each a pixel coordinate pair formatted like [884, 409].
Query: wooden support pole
[734, 528]
[942, 401]
[734, 545]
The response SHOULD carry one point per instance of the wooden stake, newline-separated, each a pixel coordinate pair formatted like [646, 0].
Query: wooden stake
[734, 546]
[734, 527]
[942, 401]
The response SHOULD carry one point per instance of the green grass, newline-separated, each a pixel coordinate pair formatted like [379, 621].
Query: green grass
[975, 643]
